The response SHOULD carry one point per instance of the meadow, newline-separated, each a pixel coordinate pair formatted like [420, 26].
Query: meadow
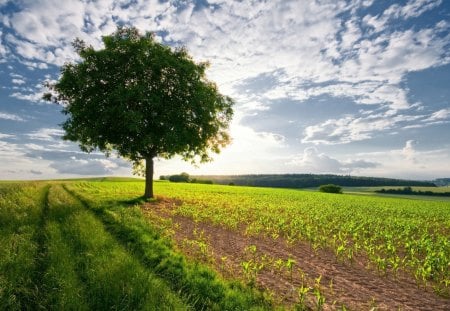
[218, 247]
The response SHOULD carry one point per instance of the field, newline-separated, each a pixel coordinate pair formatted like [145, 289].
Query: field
[218, 247]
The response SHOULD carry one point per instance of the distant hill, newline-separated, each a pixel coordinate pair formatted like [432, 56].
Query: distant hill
[442, 182]
[310, 180]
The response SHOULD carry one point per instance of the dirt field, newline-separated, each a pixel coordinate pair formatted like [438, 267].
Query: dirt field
[343, 284]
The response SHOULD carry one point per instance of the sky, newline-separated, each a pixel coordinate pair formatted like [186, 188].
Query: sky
[355, 87]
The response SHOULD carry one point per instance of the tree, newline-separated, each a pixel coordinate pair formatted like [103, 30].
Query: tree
[183, 177]
[330, 188]
[143, 100]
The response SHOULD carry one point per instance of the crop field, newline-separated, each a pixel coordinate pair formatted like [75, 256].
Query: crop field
[97, 245]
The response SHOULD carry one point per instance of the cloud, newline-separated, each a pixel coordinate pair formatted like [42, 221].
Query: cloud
[77, 166]
[314, 162]
[2, 136]
[259, 51]
[9, 151]
[46, 134]
[352, 128]
[413, 8]
[18, 81]
[11, 117]
[409, 162]
[440, 115]
[346, 130]
[409, 152]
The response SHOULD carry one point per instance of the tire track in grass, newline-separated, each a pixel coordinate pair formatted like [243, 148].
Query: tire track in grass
[113, 278]
[41, 251]
[120, 237]
[21, 207]
[198, 286]
[62, 286]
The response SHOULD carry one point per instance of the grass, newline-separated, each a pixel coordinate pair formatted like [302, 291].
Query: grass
[21, 207]
[57, 255]
[198, 285]
[65, 251]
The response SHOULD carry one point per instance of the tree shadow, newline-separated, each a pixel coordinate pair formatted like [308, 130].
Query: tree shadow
[137, 201]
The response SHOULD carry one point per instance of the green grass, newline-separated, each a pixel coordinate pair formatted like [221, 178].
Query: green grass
[68, 250]
[21, 208]
[57, 255]
[100, 269]
[199, 286]
[394, 234]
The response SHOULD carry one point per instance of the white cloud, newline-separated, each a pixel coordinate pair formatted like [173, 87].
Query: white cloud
[311, 161]
[10, 116]
[352, 128]
[309, 47]
[3, 48]
[408, 151]
[413, 8]
[46, 134]
[409, 162]
[2, 136]
[18, 81]
[346, 130]
[76, 166]
[440, 115]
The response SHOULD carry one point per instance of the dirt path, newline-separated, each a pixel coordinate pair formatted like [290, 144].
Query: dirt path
[351, 285]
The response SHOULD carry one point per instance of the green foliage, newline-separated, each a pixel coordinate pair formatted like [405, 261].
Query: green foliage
[183, 177]
[410, 191]
[310, 180]
[142, 99]
[330, 188]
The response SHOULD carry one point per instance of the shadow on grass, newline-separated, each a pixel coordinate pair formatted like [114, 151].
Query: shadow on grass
[137, 201]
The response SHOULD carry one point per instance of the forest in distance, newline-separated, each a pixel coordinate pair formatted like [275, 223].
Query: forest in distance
[309, 180]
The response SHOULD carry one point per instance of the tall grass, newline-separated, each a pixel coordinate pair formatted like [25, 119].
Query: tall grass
[20, 220]
[88, 269]
[56, 255]
[198, 285]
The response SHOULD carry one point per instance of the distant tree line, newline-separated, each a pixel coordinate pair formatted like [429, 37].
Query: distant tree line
[311, 180]
[442, 182]
[330, 188]
[184, 177]
[409, 190]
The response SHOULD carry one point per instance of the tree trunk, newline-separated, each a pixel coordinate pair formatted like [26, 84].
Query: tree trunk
[148, 178]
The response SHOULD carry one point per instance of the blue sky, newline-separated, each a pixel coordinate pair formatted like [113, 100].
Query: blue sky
[355, 87]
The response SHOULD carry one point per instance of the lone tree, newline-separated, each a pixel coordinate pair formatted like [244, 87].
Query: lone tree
[142, 99]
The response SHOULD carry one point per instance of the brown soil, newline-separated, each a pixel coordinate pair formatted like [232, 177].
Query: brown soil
[344, 284]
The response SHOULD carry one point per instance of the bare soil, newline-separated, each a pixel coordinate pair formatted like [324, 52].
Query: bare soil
[348, 284]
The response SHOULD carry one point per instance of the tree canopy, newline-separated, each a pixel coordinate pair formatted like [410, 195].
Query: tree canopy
[142, 99]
